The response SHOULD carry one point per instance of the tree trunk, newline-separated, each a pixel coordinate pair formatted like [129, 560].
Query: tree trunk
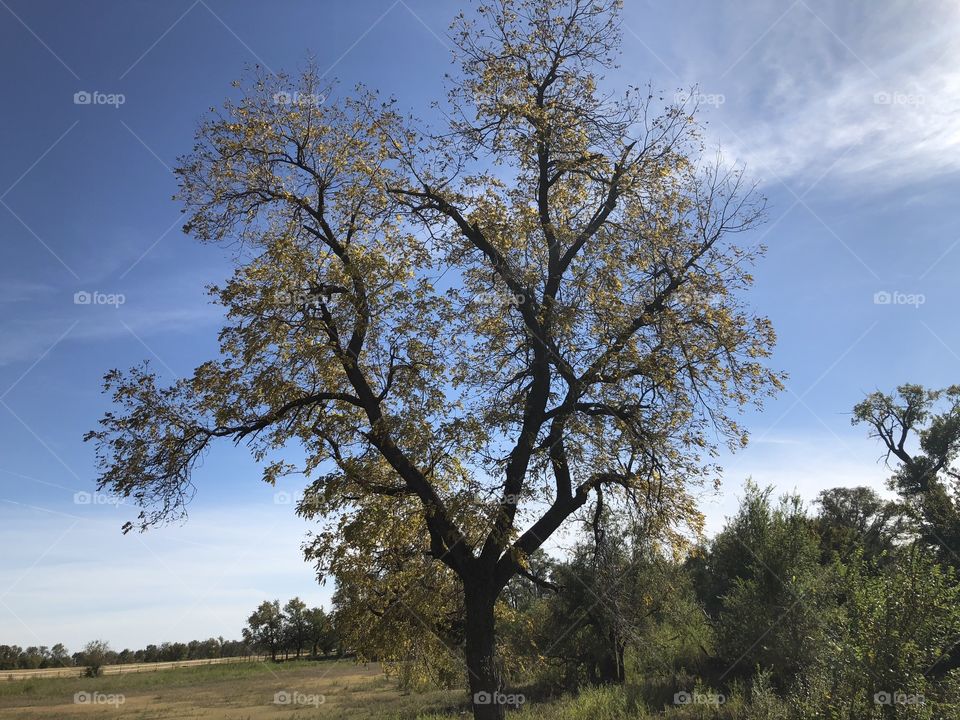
[486, 682]
[611, 669]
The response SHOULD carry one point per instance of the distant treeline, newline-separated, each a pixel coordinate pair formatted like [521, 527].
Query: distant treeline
[14, 657]
[293, 629]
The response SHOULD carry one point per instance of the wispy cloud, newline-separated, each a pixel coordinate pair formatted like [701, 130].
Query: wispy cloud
[19, 291]
[867, 91]
[26, 338]
[874, 93]
[38, 313]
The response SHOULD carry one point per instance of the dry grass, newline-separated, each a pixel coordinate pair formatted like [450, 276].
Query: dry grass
[227, 692]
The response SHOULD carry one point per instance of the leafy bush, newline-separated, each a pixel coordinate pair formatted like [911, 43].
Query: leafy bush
[95, 657]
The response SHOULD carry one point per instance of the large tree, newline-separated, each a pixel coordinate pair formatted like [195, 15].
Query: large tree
[488, 325]
[264, 629]
[296, 623]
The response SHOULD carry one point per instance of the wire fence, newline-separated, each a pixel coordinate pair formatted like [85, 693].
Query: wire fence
[80, 671]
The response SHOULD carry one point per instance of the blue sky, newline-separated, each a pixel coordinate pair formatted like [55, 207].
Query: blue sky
[847, 114]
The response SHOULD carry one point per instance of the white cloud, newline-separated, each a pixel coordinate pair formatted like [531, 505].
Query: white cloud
[872, 97]
[867, 92]
[803, 464]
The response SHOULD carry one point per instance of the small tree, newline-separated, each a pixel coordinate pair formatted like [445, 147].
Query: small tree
[855, 520]
[617, 597]
[491, 325]
[773, 596]
[95, 657]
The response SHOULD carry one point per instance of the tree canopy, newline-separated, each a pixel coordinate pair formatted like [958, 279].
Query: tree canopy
[920, 431]
[484, 326]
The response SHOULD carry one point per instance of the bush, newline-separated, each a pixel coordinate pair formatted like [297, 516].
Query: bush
[95, 657]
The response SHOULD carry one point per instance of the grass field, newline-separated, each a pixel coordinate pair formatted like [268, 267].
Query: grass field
[307, 690]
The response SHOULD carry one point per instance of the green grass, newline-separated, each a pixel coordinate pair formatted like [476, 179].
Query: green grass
[245, 691]
[174, 677]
